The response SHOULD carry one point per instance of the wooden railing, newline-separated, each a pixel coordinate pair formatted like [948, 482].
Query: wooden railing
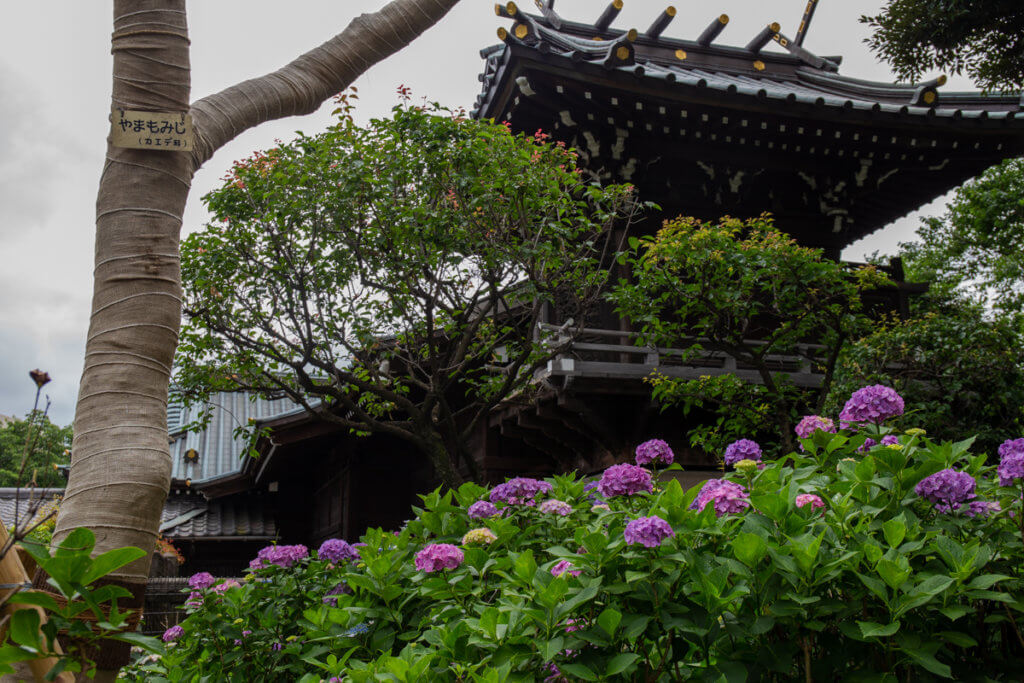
[623, 360]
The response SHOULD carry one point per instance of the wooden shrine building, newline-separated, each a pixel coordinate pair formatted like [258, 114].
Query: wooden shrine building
[702, 129]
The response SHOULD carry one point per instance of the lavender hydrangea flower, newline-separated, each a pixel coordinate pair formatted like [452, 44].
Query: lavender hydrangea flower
[868, 444]
[624, 480]
[195, 600]
[982, 508]
[744, 449]
[201, 581]
[728, 497]
[482, 509]
[874, 404]
[519, 491]
[648, 531]
[890, 440]
[947, 488]
[336, 550]
[225, 586]
[564, 566]
[812, 423]
[438, 556]
[654, 451]
[173, 633]
[1011, 461]
[555, 507]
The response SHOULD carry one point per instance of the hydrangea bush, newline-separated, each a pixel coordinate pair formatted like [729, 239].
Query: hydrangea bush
[900, 562]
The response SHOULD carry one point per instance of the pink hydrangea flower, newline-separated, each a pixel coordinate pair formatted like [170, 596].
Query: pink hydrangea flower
[728, 497]
[201, 581]
[809, 499]
[624, 480]
[225, 586]
[555, 507]
[565, 566]
[173, 633]
[648, 531]
[654, 451]
[438, 556]
[812, 423]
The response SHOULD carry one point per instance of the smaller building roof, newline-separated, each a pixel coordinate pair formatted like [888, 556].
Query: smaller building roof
[24, 504]
[218, 450]
[242, 517]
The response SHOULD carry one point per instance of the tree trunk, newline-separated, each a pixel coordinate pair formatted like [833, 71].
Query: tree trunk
[121, 466]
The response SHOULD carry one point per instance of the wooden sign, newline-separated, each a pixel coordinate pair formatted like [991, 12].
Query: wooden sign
[152, 130]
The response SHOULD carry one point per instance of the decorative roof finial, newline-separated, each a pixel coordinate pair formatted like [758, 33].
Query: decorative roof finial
[805, 22]
[608, 16]
[662, 22]
[716, 26]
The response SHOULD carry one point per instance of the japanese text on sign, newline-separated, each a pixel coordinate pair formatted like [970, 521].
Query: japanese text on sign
[163, 131]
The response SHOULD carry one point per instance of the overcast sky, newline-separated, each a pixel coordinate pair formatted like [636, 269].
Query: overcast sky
[55, 96]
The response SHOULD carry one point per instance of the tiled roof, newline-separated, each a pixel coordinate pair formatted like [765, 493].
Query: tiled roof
[188, 516]
[28, 502]
[219, 446]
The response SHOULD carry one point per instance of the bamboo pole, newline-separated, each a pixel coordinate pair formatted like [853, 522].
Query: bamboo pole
[12, 571]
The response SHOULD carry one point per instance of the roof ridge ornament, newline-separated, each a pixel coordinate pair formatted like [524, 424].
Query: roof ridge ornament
[764, 37]
[804, 55]
[662, 22]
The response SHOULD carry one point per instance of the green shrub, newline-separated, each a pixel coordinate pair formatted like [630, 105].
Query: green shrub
[832, 563]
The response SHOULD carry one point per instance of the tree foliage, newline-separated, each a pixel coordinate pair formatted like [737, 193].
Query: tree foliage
[977, 246]
[983, 39]
[744, 290]
[390, 278]
[45, 443]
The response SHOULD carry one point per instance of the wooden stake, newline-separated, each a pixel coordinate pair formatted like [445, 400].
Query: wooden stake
[12, 571]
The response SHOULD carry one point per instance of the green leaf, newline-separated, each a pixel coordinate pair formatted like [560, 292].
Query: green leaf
[749, 548]
[44, 600]
[609, 620]
[772, 505]
[892, 573]
[987, 581]
[928, 662]
[957, 638]
[25, 629]
[525, 566]
[578, 670]
[956, 611]
[620, 663]
[895, 531]
[81, 540]
[110, 561]
[870, 629]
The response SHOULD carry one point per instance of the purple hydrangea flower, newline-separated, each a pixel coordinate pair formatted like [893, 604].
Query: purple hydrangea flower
[340, 589]
[555, 507]
[890, 439]
[336, 550]
[812, 423]
[438, 556]
[648, 531]
[624, 480]
[654, 451]
[201, 581]
[195, 600]
[173, 633]
[728, 497]
[594, 496]
[281, 555]
[982, 508]
[947, 488]
[874, 404]
[482, 509]
[225, 586]
[565, 566]
[744, 449]
[277, 647]
[519, 491]
[811, 499]
[1011, 461]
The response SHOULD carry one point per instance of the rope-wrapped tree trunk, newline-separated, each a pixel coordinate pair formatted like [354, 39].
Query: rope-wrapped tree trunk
[120, 470]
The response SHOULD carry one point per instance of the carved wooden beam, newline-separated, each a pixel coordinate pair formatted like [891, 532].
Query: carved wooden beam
[713, 30]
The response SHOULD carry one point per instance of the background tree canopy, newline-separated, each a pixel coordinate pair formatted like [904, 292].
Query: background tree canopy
[50, 446]
[390, 278]
[983, 39]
